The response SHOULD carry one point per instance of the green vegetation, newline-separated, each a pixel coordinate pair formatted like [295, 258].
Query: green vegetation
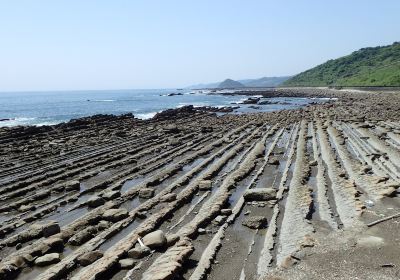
[379, 66]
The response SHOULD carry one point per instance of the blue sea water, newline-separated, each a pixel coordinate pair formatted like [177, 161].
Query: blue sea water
[46, 108]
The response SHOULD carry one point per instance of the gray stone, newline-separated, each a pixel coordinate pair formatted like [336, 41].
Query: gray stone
[48, 259]
[146, 193]
[139, 252]
[155, 239]
[255, 222]
[95, 201]
[73, 186]
[50, 229]
[205, 185]
[273, 161]
[168, 197]
[115, 215]
[89, 258]
[219, 219]
[259, 194]
[82, 236]
[226, 212]
[127, 263]
[111, 195]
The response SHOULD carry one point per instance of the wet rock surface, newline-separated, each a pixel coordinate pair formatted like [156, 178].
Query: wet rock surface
[78, 199]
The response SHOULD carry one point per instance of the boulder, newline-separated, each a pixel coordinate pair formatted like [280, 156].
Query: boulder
[127, 263]
[155, 239]
[255, 222]
[55, 243]
[50, 229]
[89, 258]
[95, 201]
[146, 193]
[115, 215]
[48, 259]
[259, 194]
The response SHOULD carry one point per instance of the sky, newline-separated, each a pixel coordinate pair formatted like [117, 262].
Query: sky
[95, 44]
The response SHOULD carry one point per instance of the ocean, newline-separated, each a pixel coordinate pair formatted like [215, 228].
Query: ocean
[47, 108]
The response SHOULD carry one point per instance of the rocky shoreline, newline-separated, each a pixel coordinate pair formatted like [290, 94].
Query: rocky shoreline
[192, 194]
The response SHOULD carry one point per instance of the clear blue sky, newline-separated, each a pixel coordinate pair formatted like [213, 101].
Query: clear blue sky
[88, 44]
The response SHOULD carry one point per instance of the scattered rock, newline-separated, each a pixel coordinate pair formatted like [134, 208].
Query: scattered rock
[155, 239]
[255, 222]
[115, 215]
[313, 163]
[139, 251]
[259, 194]
[273, 161]
[146, 193]
[48, 259]
[82, 236]
[205, 185]
[50, 229]
[95, 201]
[89, 258]
[73, 186]
[168, 197]
[226, 212]
[127, 263]
[219, 219]
[111, 195]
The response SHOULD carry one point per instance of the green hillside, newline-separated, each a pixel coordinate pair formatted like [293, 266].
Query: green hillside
[379, 66]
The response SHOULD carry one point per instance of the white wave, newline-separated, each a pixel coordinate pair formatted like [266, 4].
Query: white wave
[17, 121]
[104, 100]
[46, 123]
[146, 116]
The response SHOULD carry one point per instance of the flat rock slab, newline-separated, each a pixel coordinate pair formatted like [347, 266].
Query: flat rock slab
[89, 258]
[256, 222]
[115, 215]
[259, 194]
[111, 195]
[205, 185]
[95, 201]
[48, 259]
[139, 252]
[146, 193]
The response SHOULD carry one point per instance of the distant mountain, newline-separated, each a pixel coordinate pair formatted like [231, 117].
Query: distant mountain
[262, 82]
[228, 83]
[265, 81]
[378, 66]
[210, 85]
